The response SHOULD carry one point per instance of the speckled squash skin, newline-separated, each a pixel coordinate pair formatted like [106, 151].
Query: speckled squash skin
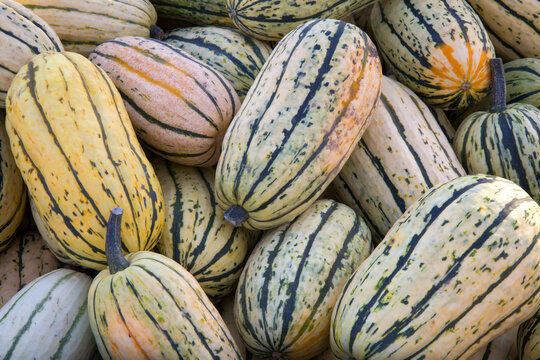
[402, 154]
[156, 309]
[503, 347]
[292, 279]
[467, 248]
[528, 339]
[23, 34]
[439, 49]
[12, 189]
[179, 106]
[300, 121]
[84, 24]
[237, 56]
[196, 235]
[272, 20]
[523, 81]
[197, 12]
[88, 159]
[513, 26]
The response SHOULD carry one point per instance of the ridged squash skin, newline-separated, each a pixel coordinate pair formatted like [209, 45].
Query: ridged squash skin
[402, 154]
[523, 81]
[293, 278]
[84, 24]
[197, 12]
[25, 259]
[88, 159]
[48, 319]
[528, 339]
[445, 123]
[23, 34]
[300, 121]
[179, 106]
[503, 347]
[437, 48]
[458, 269]
[503, 143]
[237, 56]
[513, 26]
[155, 309]
[12, 189]
[196, 235]
[272, 20]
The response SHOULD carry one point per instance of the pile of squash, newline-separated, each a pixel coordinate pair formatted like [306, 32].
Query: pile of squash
[270, 179]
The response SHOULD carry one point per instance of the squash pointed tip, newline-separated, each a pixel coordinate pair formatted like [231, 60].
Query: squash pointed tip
[236, 215]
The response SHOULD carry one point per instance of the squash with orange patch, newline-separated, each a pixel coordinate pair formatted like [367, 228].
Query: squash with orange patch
[439, 49]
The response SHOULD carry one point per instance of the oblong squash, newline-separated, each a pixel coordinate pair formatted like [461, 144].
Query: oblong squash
[84, 24]
[26, 258]
[503, 347]
[196, 235]
[402, 154]
[458, 269]
[23, 34]
[88, 159]
[523, 81]
[299, 123]
[12, 190]
[198, 12]
[237, 56]
[293, 278]
[438, 48]
[179, 106]
[48, 319]
[272, 20]
[149, 307]
[528, 339]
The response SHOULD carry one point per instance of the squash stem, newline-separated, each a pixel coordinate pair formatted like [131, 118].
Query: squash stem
[156, 32]
[498, 86]
[113, 244]
[236, 215]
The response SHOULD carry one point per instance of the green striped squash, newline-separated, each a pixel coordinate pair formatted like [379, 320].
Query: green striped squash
[503, 347]
[196, 235]
[402, 154]
[438, 48]
[88, 159]
[523, 81]
[299, 123]
[513, 26]
[529, 339]
[12, 190]
[26, 258]
[237, 56]
[147, 306]
[446, 126]
[293, 278]
[179, 106]
[84, 24]
[227, 314]
[198, 12]
[458, 269]
[504, 141]
[22, 35]
[48, 319]
[272, 20]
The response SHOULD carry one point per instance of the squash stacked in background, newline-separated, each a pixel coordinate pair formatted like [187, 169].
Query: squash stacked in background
[528, 339]
[299, 123]
[197, 12]
[84, 24]
[87, 159]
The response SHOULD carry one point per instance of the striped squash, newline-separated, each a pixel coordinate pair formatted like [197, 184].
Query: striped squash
[12, 190]
[237, 56]
[196, 235]
[84, 24]
[513, 26]
[402, 154]
[227, 314]
[22, 35]
[502, 348]
[528, 339]
[446, 126]
[458, 269]
[438, 48]
[504, 141]
[293, 278]
[179, 106]
[272, 20]
[523, 81]
[48, 319]
[25, 259]
[149, 307]
[78, 173]
[298, 124]
[198, 12]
